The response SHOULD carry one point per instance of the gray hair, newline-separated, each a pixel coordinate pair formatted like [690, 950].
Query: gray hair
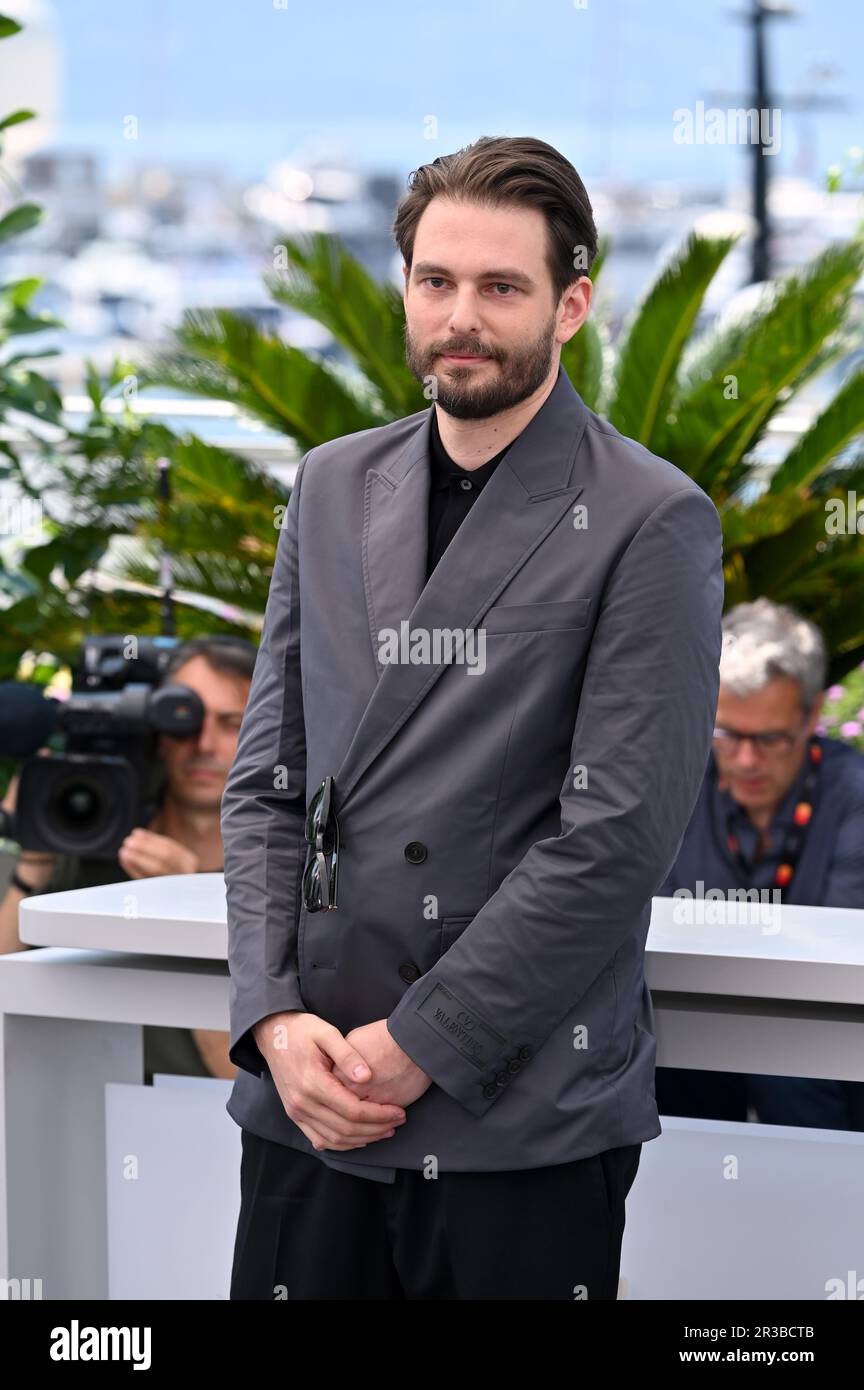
[763, 640]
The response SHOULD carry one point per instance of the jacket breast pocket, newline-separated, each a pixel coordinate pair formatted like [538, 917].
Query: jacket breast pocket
[451, 929]
[537, 617]
[320, 958]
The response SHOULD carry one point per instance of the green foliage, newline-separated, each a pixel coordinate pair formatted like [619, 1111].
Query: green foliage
[843, 710]
[704, 399]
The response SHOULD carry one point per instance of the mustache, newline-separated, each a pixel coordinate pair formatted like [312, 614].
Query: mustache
[463, 350]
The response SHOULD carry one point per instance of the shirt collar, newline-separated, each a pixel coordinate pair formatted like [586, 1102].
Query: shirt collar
[444, 468]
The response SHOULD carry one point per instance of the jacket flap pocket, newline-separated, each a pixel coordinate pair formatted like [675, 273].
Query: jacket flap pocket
[537, 617]
[453, 927]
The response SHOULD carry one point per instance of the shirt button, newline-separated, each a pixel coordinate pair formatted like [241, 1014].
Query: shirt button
[466, 484]
[415, 852]
[409, 972]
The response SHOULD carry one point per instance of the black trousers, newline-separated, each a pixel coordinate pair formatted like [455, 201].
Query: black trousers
[308, 1232]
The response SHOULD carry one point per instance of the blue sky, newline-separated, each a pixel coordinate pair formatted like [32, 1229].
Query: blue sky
[241, 83]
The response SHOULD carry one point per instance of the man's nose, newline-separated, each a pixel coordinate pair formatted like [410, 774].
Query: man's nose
[747, 755]
[464, 313]
[207, 736]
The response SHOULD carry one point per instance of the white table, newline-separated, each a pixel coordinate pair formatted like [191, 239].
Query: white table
[177, 915]
[786, 999]
[736, 998]
[783, 996]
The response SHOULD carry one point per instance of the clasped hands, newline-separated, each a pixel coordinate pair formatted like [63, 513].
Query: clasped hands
[342, 1092]
[396, 1078]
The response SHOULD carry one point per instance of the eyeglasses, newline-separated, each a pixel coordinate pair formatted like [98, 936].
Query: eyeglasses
[772, 744]
[322, 858]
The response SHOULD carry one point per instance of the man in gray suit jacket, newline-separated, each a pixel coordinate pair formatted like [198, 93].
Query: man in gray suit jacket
[480, 716]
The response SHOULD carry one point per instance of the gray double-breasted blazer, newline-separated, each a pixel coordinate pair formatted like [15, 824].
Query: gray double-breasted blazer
[509, 798]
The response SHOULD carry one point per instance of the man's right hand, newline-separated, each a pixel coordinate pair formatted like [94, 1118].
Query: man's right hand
[301, 1051]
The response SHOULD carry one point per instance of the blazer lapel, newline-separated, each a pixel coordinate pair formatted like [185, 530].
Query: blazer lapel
[527, 495]
[395, 529]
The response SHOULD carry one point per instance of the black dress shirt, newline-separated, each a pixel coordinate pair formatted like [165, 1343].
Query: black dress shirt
[452, 493]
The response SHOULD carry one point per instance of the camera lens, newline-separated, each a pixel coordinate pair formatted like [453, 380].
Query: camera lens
[78, 805]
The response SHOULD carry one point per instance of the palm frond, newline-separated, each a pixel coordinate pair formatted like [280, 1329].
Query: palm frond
[653, 340]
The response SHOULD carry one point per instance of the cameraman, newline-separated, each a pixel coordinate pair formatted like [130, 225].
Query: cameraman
[182, 837]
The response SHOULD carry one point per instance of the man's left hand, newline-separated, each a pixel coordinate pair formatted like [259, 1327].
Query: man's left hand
[144, 854]
[396, 1080]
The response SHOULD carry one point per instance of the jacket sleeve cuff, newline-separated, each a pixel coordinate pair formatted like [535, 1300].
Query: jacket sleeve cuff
[243, 1050]
[246, 1053]
[463, 1053]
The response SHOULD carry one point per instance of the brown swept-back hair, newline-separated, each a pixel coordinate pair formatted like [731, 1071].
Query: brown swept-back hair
[223, 652]
[497, 171]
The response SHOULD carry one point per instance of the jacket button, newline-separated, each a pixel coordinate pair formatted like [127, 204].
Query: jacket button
[409, 972]
[502, 1078]
[490, 1090]
[526, 1053]
[415, 853]
[514, 1065]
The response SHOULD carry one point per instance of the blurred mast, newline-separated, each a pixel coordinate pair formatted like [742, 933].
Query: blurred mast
[166, 571]
[759, 99]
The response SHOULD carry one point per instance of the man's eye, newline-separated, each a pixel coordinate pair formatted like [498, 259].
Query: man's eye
[503, 286]
[429, 279]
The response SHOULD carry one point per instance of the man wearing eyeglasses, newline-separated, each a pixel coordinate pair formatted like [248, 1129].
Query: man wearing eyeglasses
[490, 653]
[781, 809]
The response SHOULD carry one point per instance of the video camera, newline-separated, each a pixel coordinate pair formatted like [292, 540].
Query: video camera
[86, 799]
